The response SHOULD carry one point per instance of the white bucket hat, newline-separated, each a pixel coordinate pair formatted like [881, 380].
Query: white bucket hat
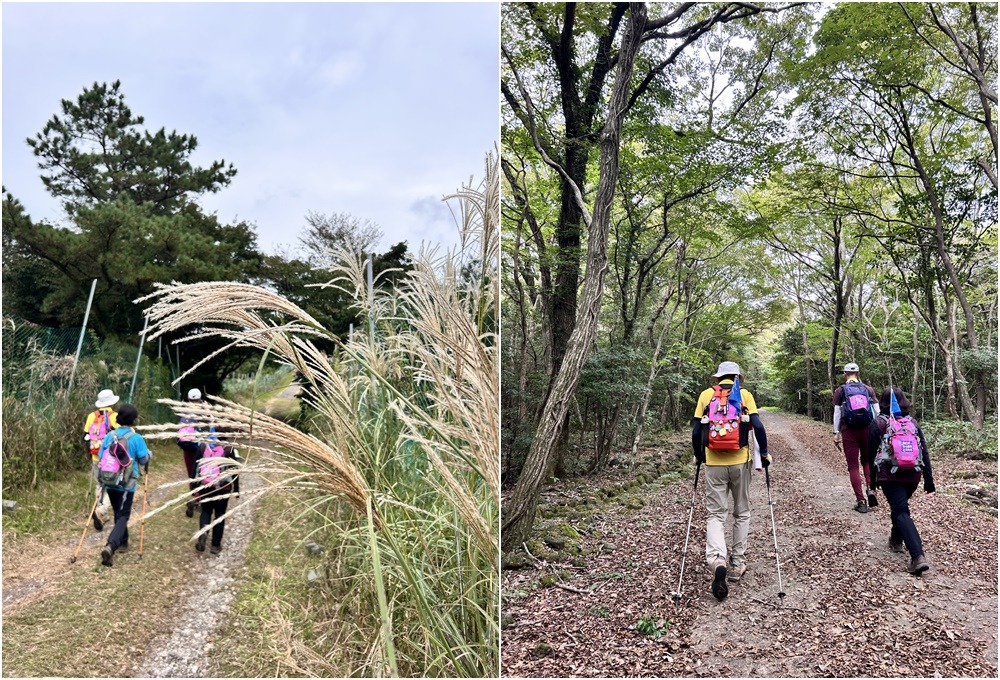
[105, 398]
[851, 368]
[728, 368]
[194, 393]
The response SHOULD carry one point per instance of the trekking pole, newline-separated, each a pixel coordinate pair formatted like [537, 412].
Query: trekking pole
[86, 526]
[142, 520]
[697, 471]
[774, 531]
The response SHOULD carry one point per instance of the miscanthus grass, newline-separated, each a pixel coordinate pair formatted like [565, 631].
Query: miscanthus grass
[402, 454]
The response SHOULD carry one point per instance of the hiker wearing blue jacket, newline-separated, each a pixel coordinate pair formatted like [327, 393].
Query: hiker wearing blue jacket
[121, 496]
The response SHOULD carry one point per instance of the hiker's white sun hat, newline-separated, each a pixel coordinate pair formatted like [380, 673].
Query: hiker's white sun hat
[105, 398]
[194, 393]
[728, 368]
[851, 368]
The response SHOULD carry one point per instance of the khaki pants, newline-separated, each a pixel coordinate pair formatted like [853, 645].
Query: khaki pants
[720, 481]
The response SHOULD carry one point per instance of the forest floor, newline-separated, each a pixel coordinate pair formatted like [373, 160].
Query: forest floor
[591, 594]
[166, 613]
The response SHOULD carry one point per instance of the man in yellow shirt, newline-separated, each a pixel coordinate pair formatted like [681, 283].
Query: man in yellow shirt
[723, 417]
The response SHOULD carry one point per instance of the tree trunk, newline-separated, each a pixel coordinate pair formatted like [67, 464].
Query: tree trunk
[838, 302]
[648, 393]
[519, 513]
[936, 209]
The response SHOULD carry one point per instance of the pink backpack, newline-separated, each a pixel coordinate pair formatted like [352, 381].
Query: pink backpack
[116, 467]
[209, 468]
[98, 429]
[723, 422]
[900, 445]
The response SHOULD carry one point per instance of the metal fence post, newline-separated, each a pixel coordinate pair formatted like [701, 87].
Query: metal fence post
[83, 332]
[138, 358]
[371, 300]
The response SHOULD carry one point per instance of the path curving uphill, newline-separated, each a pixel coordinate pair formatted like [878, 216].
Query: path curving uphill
[851, 610]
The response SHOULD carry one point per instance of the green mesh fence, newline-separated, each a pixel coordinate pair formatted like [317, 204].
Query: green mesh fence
[43, 418]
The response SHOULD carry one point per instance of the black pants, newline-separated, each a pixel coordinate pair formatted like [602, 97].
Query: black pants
[903, 528]
[121, 502]
[216, 507]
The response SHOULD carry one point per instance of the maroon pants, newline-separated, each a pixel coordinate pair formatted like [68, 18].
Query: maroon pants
[856, 452]
[190, 450]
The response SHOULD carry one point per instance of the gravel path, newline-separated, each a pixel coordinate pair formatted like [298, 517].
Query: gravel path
[186, 651]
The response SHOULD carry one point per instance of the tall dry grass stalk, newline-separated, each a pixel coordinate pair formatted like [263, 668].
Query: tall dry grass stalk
[405, 446]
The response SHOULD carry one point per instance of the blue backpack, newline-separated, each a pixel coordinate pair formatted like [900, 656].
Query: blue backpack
[857, 409]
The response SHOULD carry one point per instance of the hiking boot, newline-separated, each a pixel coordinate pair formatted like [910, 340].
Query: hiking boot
[200, 545]
[107, 558]
[719, 587]
[872, 500]
[98, 524]
[918, 565]
[861, 507]
[189, 510]
[896, 547]
[735, 573]
[215, 549]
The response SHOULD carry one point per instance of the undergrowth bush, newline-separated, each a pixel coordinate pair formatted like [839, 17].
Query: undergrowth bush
[958, 438]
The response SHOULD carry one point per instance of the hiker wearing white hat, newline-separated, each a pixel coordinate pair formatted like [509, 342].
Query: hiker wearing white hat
[187, 440]
[724, 417]
[99, 422]
[855, 408]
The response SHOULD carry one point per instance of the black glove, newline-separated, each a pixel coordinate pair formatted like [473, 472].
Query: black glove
[929, 486]
[765, 459]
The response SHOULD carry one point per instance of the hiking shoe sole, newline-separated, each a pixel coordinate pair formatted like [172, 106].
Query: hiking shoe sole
[215, 549]
[719, 587]
[107, 558]
[918, 566]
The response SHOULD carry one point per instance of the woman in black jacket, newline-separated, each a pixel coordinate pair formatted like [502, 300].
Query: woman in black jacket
[218, 482]
[900, 484]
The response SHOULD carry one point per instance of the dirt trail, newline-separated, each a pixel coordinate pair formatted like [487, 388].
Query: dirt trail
[37, 569]
[851, 610]
[36, 575]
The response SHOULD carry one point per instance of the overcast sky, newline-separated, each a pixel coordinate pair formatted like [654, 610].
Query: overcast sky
[373, 109]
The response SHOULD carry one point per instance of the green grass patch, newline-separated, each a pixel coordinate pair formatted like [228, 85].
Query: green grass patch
[242, 389]
[280, 624]
[53, 507]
